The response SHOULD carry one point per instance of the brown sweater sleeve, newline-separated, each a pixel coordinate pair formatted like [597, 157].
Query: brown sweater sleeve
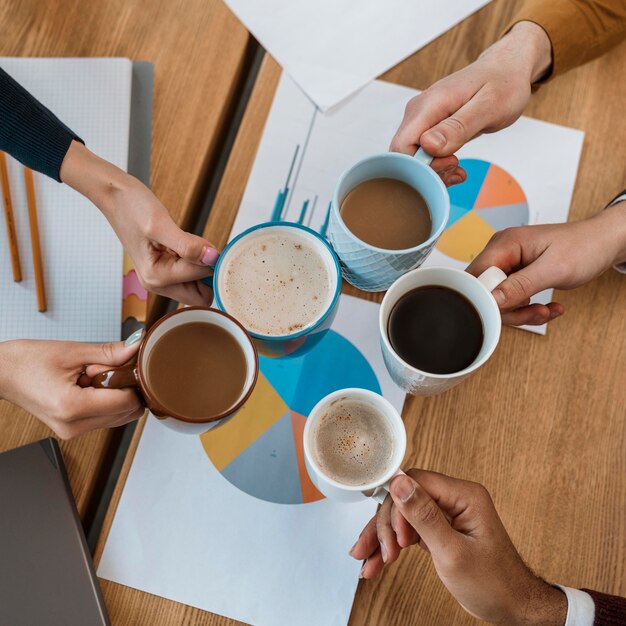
[579, 30]
[610, 610]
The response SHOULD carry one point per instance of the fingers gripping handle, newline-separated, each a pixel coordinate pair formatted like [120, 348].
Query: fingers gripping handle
[381, 493]
[117, 377]
[423, 157]
[492, 277]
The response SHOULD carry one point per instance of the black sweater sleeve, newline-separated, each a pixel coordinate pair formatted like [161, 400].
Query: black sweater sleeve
[29, 132]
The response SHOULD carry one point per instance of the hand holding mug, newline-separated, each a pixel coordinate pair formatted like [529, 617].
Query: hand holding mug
[195, 368]
[486, 96]
[562, 256]
[456, 522]
[51, 380]
[168, 260]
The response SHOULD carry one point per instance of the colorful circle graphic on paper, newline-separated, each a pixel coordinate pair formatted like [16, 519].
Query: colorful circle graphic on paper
[488, 201]
[260, 449]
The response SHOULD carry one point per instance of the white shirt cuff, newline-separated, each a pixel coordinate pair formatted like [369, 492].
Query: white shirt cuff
[580, 607]
[621, 268]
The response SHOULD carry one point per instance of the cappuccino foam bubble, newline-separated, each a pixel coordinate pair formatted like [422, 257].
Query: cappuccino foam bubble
[352, 442]
[275, 283]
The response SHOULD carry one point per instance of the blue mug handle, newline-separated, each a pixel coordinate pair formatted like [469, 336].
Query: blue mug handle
[423, 157]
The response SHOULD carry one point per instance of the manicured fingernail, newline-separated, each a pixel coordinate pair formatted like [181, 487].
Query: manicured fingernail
[134, 338]
[455, 180]
[210, 256]
[362, 569]
[436, 139]
[554, 314]
[403, 488]
[383, 551]
[499, 296]
[352, 548]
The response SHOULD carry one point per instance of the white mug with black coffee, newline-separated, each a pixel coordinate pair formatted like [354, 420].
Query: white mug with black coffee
[438, 325]
[354, 444]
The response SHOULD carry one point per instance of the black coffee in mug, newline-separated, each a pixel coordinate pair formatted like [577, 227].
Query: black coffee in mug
[435, 329]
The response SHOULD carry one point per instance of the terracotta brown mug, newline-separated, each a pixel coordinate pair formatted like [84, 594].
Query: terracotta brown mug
[133, 373]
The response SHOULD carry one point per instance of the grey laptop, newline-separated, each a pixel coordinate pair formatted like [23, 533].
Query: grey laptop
[46, 573]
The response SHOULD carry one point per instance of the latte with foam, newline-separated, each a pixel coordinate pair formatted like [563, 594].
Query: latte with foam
[276, 282]
[352, 442]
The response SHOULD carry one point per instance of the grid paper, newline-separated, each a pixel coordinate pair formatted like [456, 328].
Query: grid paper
[82, 257]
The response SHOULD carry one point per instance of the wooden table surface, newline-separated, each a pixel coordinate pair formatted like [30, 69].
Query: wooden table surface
[198, 50]
[542, 424]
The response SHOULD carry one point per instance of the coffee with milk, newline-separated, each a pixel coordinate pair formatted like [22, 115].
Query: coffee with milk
[276, 283]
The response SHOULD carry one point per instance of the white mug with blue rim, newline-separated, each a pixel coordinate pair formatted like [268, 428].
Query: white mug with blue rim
[375, 269]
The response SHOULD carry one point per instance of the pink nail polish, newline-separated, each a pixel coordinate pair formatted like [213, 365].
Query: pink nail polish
[210, 256]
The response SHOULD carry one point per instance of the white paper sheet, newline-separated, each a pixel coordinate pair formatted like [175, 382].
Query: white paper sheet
[191, 533]
[332, 48]
[82, 257]
[303, 152]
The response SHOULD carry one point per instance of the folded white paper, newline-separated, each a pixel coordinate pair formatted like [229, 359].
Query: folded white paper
[332, 48]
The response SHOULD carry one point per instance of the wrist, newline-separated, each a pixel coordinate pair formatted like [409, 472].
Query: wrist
[7, 366]
[93, 177]
[531, 46]
[540, 605]
[614, 218]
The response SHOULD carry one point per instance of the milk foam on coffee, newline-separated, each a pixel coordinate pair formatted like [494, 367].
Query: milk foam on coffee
[275, 283]
[352, 442]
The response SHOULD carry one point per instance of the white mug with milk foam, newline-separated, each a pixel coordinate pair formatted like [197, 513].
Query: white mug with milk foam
[377, 488]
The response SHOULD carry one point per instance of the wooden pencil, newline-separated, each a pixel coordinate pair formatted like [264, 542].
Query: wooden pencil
[34, 240]
[10, 220]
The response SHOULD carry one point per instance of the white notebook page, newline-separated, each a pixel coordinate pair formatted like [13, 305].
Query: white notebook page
[82, 256]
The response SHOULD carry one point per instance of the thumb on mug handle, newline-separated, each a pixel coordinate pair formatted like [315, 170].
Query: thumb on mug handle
[381, 492]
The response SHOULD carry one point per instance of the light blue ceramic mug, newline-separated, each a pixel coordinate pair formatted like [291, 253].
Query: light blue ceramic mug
[375, 269]
[301, 339]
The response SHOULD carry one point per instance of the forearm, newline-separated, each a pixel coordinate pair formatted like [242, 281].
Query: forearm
[30, 132]
[93, 177]
[8, 366]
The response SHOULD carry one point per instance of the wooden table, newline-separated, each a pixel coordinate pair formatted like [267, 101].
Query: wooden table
[198, 49]
[542, 425]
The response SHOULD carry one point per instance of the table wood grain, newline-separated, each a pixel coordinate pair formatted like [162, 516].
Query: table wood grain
[198, 49]
[542, 424]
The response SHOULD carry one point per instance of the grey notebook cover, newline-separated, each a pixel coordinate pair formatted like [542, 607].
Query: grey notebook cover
[46, 573]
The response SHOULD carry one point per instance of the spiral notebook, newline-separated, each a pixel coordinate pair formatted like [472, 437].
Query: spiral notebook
[82, 257]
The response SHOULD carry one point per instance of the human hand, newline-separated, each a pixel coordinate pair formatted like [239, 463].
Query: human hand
[168, 260]
[51, 379]
[484, 97]
[563, 256]
[457, 523]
